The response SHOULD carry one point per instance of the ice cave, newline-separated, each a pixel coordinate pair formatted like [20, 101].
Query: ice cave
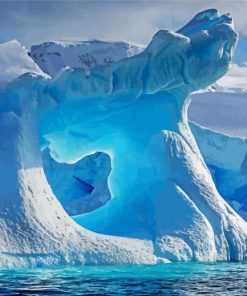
[117, 135]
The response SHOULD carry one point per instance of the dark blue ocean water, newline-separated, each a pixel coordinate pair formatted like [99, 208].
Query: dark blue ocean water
[169, 279]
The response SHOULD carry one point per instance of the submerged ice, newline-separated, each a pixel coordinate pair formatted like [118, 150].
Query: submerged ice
[164, 204]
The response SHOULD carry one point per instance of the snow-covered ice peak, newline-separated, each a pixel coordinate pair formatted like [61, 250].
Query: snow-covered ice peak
[164, 202]
[53, 56]
[15, 61]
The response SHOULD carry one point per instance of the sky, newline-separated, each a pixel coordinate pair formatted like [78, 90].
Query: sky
[33, 22]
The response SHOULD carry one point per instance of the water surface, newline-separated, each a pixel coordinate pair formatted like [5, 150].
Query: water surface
[168, 279]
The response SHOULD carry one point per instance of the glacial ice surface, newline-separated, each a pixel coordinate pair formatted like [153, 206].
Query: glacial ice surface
[164, 205]
[226, 157]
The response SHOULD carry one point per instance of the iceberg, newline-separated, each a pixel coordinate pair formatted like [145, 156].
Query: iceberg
[226, 158]
[164, 204]
[54, 56]
[15, 61]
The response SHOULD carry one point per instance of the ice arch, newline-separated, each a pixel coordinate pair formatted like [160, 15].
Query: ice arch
[136, 111]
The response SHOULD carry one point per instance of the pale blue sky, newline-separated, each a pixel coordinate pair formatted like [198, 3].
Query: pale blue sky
[32, 22]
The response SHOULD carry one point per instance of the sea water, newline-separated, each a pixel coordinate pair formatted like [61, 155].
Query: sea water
[165, 279]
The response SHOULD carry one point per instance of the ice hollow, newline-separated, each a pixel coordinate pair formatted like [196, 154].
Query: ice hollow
[164, 203]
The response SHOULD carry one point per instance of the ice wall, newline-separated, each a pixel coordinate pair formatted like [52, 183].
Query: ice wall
[165, 205]
[226, 157]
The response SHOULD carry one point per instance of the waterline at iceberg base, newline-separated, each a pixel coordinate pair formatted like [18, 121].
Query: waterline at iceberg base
[164, 205]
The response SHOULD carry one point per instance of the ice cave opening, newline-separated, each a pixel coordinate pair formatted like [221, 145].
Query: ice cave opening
[81, 186]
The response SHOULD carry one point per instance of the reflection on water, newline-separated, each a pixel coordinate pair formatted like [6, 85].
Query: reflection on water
[169, 279]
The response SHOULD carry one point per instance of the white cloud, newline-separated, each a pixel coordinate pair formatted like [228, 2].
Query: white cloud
[236, 78]
[36, 21]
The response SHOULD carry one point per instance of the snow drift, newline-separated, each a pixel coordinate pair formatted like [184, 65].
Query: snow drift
[164, 203]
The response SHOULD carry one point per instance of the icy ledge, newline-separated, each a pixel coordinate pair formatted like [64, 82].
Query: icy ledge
[165, 204]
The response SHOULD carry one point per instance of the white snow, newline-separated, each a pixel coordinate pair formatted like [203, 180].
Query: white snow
[53, 56]
[15, 61]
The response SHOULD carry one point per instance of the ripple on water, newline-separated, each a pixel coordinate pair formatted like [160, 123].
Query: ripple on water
[169, 279]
